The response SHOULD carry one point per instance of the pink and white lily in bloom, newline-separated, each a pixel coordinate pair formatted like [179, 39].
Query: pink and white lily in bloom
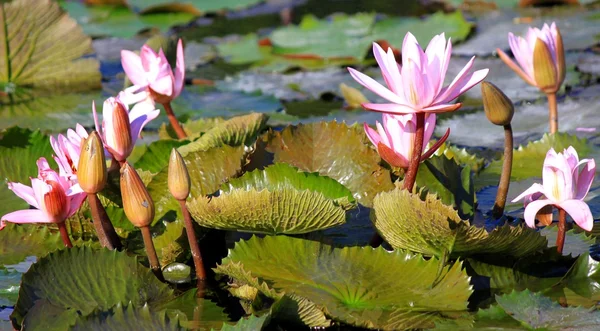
[120, 127]
[48, 195]
[540, 57]
[417, 85]
[67, 150]
[151, 72]
[564, 187]
[394, 139]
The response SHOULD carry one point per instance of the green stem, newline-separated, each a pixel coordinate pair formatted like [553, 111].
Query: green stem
[553, 112]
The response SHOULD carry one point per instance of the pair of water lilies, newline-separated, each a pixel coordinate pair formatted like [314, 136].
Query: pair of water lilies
[415, 93]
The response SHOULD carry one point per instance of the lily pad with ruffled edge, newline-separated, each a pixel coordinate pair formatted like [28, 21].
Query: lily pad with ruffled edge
[431, 228]
[128, 318]
[539, 312]
[83, 271]
[528, 160]
[194, 312]
[248, 323]
[335, 150]
[42, 47]
[348, 283]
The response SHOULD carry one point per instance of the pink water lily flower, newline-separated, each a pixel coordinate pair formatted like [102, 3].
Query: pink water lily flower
[394, 139]
[48, 195]
[417, 85]
[546, 70]
[564, 187]
[120, 127]
[153, 72]
[67, 150]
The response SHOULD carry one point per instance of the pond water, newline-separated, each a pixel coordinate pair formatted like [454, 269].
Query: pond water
[253, 62]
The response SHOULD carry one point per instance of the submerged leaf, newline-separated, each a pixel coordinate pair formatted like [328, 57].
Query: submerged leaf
[283, 211]
[432, 228]
[335, 150]
[356, 285]
[43, 47]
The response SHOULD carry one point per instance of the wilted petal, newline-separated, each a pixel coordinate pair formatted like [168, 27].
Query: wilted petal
[579, 212]
[532, 210]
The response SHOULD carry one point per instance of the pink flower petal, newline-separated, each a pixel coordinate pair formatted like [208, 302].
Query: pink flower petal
[533, 189]
[148, 58]
[140, 118]
[532, 209]
[390, 108]
[374, 86]
[179, 70]
[25, 216]
[585, 178]
[387, 70]
[442, 108]
[132, 65]
[579, 212]
[372, 135]
[75, 203]
[163, 85]
[462, 83]
[24, 192]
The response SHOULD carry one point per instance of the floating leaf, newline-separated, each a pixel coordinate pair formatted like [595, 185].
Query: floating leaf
[20, 241]
[250, 323]
[208, 170]
[450, 182]
[356, 285]
[335, 150]
[432, 228]
[292, 308]
[528, 160]
[281, 176]
[201, 313]
[177, 273]
[9, 287]
[128, 318]
[507, 278]
[575, 243]
[284, 211]
[196, 7]
[461, 156]
[43, 47]
[537, 311]
[46, 316]
[84, 272]
[238, 131]
[193, 128]
[156, 156]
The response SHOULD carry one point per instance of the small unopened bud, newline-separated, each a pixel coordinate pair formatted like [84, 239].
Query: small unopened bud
[118, 137]
[544, 68]
[179, 179]
[91, 172]
[560, 58]
[498, 107]
[137, 203]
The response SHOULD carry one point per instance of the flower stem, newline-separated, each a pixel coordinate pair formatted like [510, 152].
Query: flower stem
[415, 158]
[562, 230]
[174, 122]
[104, 229]
[65, 234]
[553, 112]
[196, 255]
[151, 252]
[500, 202]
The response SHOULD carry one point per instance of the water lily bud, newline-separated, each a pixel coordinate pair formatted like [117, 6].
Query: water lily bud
[137, 203]
[544, 69]
[91, 172]
[118, 136]
[560, 58]
[498, 107]
[55, 202]
[179, 178]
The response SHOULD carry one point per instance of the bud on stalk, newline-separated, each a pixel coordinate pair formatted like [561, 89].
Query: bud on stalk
[137, 203]
[498, 107]
[179, 179]
[92, 174]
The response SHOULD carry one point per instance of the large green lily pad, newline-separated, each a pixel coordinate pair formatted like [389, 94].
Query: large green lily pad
[335, 150]
[128, 318]
[284, 211]
[192, 6]
[356, 285]
[432, 228]
[77, 279]
[20, 241]
[43, 47]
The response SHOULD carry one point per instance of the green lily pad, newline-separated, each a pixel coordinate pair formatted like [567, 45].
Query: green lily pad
[43, 47]
[298, 310]
[242, 50]
[46, 316]
[283, 211]
[128, 318]
[118, 21]
[250, 323]
[462, 156]
[528, 160]
[537, 312]
[450, 182]
[575, 243]
[170, 241]
[393, 30]
[84, 272]
[192, 6]
[509, 277]
[200, 313]
[237, 131]
[208, 169]
[349, 283]
[335, 150]
[9, 287]
[20, 241]
[193, 128]
[431, 228]
[343, 36]
[156, 156]
[282, 175]
[27, 147]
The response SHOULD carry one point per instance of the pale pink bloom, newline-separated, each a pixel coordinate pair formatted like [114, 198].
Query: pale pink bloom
[111, 129]
[394, 139]
[151, 71]
[67, 150]
[48, 195]
[564, 186]
[523, 49]
[417, 85]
